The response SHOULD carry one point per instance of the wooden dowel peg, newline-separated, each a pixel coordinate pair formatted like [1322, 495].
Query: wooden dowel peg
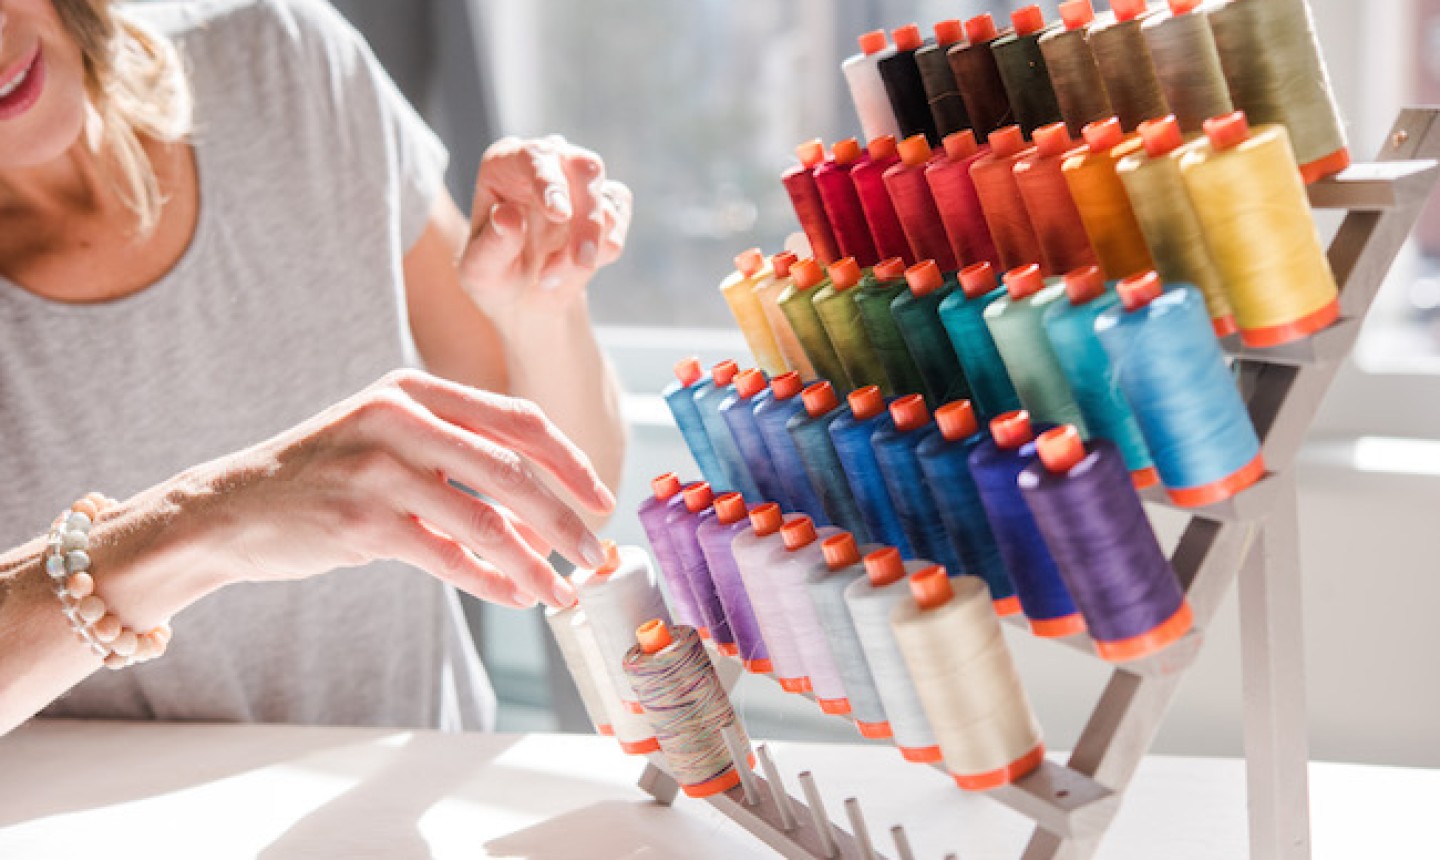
[902, 843]
[741, 762]
[952, 856]
[777, 787]
[817, 813]
[857, 827]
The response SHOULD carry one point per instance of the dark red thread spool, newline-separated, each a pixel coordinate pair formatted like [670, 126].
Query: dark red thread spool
[799, 182]
[959, 205]
[994, 177]
[978, 75]
[911, 195]
[869, 178]
[1064, 244]
[842, 204]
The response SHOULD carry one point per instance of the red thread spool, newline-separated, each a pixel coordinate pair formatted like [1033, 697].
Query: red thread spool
[916, 207]
[959, 205]
[842, 204]
[1063, 242]
[799, 182]
[869, 178]
[994, 177]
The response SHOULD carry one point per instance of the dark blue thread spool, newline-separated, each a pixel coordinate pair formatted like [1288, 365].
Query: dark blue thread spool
[896, 442]
[852, 433]
[772, 414]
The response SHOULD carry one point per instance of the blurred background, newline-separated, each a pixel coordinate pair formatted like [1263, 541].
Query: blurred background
[698, 104]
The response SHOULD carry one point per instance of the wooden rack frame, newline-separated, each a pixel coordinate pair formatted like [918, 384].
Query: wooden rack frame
[1253, 537]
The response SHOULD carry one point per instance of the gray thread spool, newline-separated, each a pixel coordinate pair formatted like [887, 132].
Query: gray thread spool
[1187, 63]
[827, 591]
[1129, 74]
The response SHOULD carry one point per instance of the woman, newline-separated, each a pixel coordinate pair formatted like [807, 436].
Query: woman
[216, 218]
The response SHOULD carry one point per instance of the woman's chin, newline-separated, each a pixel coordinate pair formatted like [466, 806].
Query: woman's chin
[44, 134]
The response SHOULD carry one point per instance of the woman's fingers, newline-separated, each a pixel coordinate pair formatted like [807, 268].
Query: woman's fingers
[495, 246]
[619, 206]
[531, 537]
[586, 174]
[420, 545]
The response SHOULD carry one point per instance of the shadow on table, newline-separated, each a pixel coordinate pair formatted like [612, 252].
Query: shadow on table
[609, 830]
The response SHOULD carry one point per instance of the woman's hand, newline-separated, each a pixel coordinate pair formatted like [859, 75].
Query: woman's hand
[545, 218]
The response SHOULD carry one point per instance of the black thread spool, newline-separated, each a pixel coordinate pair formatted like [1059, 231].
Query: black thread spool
[906, 88]
[975, 70]
[946, 105]
[1074, 74]
[1125, 65]
[1022, 68]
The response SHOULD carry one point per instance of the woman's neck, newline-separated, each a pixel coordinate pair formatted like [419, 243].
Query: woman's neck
[74, 183]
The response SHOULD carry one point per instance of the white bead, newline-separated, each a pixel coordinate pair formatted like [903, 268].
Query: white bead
[77, 521]
[74, 540]
[81, 585]
[90, 609]
[55, 566]
[106, 629]
[77, 561]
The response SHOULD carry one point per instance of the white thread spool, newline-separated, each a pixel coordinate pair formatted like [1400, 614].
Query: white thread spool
[867, 90]
[752, 549]
[587, 681]
[826, 586]
[618, 597]
[952, 642]
[632, 730]
[791, 566]
[871, 600]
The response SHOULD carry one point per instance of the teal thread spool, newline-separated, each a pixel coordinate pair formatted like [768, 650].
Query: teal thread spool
[963, 315]
[707, 401]
[917, 313]
[679, 395]
[878, 289]
[835, 305]
[1015, 323]
[797, 303]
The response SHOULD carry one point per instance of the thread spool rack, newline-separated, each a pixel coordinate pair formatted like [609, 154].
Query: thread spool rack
[1253, 537]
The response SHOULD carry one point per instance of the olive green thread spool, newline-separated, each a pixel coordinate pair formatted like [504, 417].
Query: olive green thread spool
[835, 305]
[1074, 74]
[876, 292]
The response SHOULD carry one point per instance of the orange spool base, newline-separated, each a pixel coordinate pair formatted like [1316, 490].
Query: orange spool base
[1144, 478]
[640, 747]
[1327, 166]
[635, 708]
[729, 649]
[1005, 775]
[1219, 491]
[874, 731]
[921, 755]
[1298, 330]
[724, 782]
[796, 685]
[760, 667]
[1007, 606]
[834, 706]
[1058, 628]
[1169, 630]
[1224, 326]
[606, 729]
[704, 632]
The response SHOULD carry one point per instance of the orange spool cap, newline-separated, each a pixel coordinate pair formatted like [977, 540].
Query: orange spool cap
[846, 151]
[1180, 7]
[981, 29]
[806, 273]
[688, 371]
[798, 532]
[819, 399]
[907, 38]
[1006, 141]
[844, 274]
[811, 153]
[749, 262]
[749, 383]
[961, 145]
[766, 519]
[1084, 284]
[730, 508]
[1060, 448]
[977, 280]
[884, 567]
[1076, 13]
[724, 372]
[1127, 10]
[956, 420]
[612, 558]
[653, 636]
[1024, 281]
[840, 551]
[782, 262]
[1228, 131]
[1104, 135]
[890, 269]
[909, 413]
[699, 497]
[1053, 140]
[786, 385]
[931, 587]
[1012, 430]
[949, 32]
[1028, 20]
[882, 147]
[924, 278]
[873, 42]
[1161, 136]
[915, 150]
[1137, 291]
[666, 486]
[867, 402]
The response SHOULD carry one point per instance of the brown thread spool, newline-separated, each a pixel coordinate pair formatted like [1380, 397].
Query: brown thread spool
[1125, 64]
[1022, 68]
[959, 205]
[946, 105]
[975, 71]
[1167, 218]
[1073, 71]
[994, 175]
[1103, 202]
[1187, 64]
[1063, 243]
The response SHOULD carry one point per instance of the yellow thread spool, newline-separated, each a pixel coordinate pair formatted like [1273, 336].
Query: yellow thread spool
[739, 292]
[768, 289]
[1103, 203]
[1167, 219]
[1249, 195]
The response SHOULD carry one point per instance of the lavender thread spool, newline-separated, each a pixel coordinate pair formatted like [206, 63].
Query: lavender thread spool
[684, 526]
[654, 512]
[716, 536]
[826, 586]
[790, 567]
[753, 548]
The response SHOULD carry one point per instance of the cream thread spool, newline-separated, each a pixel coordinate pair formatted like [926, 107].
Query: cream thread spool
[587, 682]
[632, 730]
[790, 566]
[826, 586]
[867, 90]
[619, 596]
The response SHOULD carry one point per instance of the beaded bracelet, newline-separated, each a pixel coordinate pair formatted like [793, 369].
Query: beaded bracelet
[67, 561]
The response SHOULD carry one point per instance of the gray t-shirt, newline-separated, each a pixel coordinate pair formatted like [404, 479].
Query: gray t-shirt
[315, 178]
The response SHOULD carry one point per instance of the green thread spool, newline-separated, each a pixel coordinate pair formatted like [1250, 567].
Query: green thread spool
[835, 304]
[1022, 69]
[877, 291]
[768, 290]
[1125, 64]
[1017, 324]
[797, 303]
[1074, 74]
[1187, 63]
[917, 314]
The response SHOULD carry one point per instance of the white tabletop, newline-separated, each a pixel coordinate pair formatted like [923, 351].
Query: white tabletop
[108, 790]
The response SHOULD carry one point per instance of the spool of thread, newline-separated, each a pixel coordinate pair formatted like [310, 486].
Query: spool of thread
[679, 396]
[737, 477]
[811, 434]
[877, 291]
[587, 682]
[654, 514]
[896, 444]
[871, 599]
[916, 207]
[632, 730]
[686, 706]
[917, 314]
[715, 536]
[1174, 375]
[796, 303]
[945, 462]
[963, 315]
[772, 415]
[867, 91]
[768, 290]
[1070, 327]
[981, 88]
[612, 595]
[1102, 542]
[738, 412]
[1058, 226]
[1125, 64]
[1103, 204]
[869, 178]
[1005, 214]
[852, 434]
[960, 211]
[1167, 219]
[1271, 57]
[835, 305]
[941, 90]
[738, 290]
[842, 204]
[1023, 70]
[906, 88]
[684, 526]
[790, 567]
[799, 182]
[1187, 63]
[996, 464]
[753, 549]
[1016, 322]
[971, 692]
[1074, 74]
[1256, 217]
[826, 585]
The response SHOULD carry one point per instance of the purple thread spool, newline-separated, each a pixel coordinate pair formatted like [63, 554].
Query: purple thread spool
[1086, 507]
[716, 535]
[654, 514]
[682, 524]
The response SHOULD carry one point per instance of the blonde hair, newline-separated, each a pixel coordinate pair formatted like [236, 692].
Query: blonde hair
[136, 86]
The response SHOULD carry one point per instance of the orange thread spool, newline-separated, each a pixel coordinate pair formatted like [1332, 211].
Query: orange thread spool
[995, 185]
[1063, 243]
[1104, 205]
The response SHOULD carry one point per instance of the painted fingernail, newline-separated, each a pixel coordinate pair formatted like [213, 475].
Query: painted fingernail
[591, 551]
[587, 254]
[564, 594]
[557, 200]
[550, 283]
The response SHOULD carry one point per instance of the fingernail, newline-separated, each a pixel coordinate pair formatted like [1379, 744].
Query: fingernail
[558, 201]
[564, 594]
[605, 497]
[588, 253]
[591, 551]
[521, 597]
[550, 283]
